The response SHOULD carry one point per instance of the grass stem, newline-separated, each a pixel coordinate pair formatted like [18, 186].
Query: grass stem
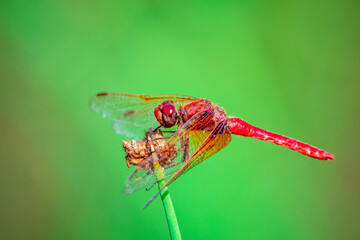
[167, 203]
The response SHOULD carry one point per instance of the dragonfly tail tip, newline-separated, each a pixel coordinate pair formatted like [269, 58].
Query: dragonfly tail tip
[331, 156]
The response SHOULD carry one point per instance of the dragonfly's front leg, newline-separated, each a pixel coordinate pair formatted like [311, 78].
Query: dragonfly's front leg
[150, 134]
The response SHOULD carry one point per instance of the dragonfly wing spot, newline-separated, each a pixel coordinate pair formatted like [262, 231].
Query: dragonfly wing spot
[129, 113]
[102, 94]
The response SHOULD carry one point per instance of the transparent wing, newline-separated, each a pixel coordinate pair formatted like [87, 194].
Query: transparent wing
[184, 138]
[208, 145]
[139, 179]
[188, 137]
[204, 144]
[133, 114]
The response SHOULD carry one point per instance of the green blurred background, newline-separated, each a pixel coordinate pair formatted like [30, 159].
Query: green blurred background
[288, 67]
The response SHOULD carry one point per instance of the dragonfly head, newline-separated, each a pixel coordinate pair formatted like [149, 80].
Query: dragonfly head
[167, 114]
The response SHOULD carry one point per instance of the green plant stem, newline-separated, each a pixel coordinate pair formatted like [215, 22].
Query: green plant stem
[167, 203]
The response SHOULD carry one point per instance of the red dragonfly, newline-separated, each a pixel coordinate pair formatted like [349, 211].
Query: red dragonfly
[199, 125]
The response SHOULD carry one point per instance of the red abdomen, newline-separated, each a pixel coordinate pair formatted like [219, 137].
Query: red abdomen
[240, 127]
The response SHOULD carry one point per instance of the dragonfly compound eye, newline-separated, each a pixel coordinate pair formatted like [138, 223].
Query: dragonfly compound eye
[166, 114]
[168, 109]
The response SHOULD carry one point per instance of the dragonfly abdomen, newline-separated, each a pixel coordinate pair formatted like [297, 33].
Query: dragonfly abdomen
[242, 128]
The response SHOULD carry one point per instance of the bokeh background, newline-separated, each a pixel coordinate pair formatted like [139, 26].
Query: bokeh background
[291, 67]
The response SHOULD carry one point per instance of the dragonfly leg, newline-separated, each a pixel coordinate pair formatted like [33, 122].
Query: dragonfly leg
[150, 135]
[148, 189]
